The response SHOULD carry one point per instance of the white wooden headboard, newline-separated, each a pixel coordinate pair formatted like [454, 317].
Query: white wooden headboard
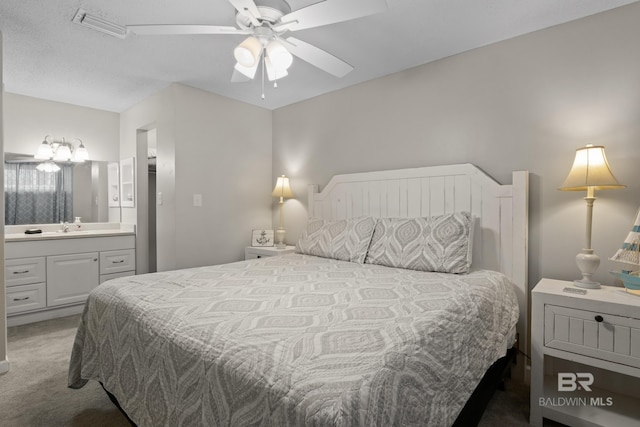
[500, 238]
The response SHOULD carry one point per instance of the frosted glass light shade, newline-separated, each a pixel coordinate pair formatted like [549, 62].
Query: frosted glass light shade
[248, 52]
[80, 154]
[247, 71]
[590, 169]
[280, 57]
[44, 151]
[62, 154]
[282, 188]
[272, 72]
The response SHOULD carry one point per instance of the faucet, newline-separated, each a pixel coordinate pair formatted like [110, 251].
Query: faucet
[64, 227]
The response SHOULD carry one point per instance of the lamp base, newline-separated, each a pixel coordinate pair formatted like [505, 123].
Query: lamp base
[588, 263]
[280, 233]
[586, 285]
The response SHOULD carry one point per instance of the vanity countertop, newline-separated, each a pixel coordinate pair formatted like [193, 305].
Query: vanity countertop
[16, 233]
[49, 235]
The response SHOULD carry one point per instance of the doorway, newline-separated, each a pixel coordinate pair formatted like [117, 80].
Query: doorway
[151, 174]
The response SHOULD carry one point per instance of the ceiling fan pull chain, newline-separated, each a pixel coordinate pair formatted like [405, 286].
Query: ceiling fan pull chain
[263, 77]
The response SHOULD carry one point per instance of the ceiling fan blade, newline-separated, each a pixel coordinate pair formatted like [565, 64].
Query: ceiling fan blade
[249, 9]
[329, 12]
[171, 29]
[317, 57]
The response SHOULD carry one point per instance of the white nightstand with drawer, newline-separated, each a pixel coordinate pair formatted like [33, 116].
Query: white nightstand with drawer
[253, 252]
[585, 355]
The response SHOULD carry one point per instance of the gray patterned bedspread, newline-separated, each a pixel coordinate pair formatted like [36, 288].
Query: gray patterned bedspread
[293, 340]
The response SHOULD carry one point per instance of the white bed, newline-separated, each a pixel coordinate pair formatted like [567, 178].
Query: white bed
[500, 241]
[305, 340]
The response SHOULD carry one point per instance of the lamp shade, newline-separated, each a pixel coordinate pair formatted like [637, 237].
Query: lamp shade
[282, 188]
[248, 52]
[590, 169]
[280, 57]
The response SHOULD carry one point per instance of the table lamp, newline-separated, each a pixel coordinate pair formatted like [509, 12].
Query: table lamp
[281, 190]
[590, 172]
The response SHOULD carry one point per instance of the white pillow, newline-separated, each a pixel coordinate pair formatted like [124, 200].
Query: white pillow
[345, 240]
[440, 243]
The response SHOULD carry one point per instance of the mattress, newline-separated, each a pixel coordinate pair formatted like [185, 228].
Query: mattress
[293, 340]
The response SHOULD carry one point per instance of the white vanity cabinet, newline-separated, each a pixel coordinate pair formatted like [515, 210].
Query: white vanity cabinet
[70, 278]
[52, 277]
[26, 288]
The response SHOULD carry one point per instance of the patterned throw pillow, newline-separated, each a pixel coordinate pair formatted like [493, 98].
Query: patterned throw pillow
[345, 240]
[440, 243]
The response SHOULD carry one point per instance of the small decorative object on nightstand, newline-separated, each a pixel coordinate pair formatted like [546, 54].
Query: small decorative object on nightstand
[252, 252]
[629, 254]
[262, 238]
[590, 172]
[281, 190]
[585, 355]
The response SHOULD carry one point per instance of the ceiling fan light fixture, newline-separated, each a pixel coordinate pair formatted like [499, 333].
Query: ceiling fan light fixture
[272, 72]
[280, 58]
[250, 72]
[248, 52]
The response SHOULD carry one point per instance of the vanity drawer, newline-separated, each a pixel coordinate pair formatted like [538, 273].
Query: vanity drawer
[117, 261]
[26, 298]
[599, 335]
[24, 271]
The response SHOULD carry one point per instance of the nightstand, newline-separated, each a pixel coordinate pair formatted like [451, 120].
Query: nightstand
[253, 252]
[585, 356]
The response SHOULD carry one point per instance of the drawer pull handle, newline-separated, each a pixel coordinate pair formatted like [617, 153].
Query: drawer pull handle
[21, 272]
[117, 262]
[599, 318]
[21, 299]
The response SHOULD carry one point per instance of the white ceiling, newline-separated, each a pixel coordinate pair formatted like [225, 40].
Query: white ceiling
[47, 56]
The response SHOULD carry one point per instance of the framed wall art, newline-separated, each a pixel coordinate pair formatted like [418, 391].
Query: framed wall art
[262, 238]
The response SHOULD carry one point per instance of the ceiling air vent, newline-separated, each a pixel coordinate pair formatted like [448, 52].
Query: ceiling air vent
[83, 18]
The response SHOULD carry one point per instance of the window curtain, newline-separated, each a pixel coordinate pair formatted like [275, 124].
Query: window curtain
[34, 197]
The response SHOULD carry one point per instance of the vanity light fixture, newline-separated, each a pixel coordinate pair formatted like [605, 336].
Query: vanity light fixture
[590, 172]
[61, 151]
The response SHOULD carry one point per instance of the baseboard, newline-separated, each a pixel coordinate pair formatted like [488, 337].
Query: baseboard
[39, 316]
[4, 366]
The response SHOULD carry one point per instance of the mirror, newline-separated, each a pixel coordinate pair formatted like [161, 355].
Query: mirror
[86, 184]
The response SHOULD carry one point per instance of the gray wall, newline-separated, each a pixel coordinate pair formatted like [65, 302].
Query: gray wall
[523, 104]
[208, 145]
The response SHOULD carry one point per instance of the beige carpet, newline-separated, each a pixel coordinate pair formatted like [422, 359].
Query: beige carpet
[34, 392]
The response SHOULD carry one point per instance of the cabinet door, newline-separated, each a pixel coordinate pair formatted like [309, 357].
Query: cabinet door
[70, 278]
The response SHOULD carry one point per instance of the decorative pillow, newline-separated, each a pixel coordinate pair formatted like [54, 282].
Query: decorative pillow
[440, 243]
[345, 240]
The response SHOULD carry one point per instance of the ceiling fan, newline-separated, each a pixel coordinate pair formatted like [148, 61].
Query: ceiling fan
[267, 22]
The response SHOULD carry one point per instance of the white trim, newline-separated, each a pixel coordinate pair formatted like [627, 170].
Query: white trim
[501, 211]
[46, 314]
